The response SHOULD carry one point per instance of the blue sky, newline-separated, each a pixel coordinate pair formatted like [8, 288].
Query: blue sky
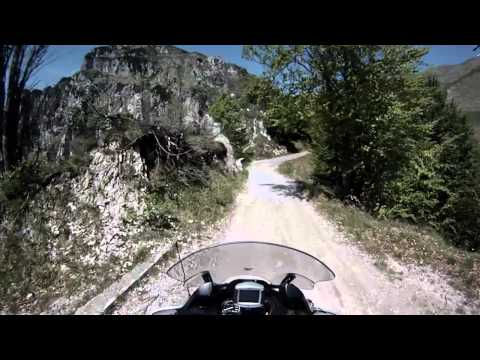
[67, 59]
[449, 54]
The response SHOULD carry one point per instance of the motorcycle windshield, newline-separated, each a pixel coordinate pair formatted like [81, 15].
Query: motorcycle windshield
[271, 262]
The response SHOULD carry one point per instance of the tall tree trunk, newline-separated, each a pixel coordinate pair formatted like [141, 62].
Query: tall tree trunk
[26, 59]
[25, 145]
[13, 111]
[5, 52]
[11, 131]
[2, 113]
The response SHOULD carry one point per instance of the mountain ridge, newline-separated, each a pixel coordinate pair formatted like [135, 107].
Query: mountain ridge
[462, 82]
[154, 84]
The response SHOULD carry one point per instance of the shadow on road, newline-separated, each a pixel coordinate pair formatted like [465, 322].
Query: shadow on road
[292, 189]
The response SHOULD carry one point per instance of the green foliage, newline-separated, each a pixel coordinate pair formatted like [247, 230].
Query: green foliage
[410, 243]
[25, 265]
[367, 106]
[473, 118]
[418, 192]
[286, 117]
[441, 181]
[187, 202]
[228, 111]
[299, 169]
[382, 135]
[171, 177]
[20, 185]
[360, 100]
[164, 189]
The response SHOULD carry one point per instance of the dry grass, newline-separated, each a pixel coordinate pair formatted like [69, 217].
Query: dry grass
[299, 169]
[196, 208]
[410, 244]
[211, 203]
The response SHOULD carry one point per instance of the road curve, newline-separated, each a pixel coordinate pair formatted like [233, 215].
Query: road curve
[271, 209]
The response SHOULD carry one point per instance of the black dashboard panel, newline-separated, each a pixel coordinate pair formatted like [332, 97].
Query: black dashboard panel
[249, 296]
[274, 301]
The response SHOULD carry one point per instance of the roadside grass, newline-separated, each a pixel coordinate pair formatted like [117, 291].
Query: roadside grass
[29, 285]
[141, 255]
[210, 203]
[473, 118]
[298, 169]
[194, 209]
[198, 206]
[410, 244]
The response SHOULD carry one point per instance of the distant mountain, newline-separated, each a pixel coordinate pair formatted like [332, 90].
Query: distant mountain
[462, 82]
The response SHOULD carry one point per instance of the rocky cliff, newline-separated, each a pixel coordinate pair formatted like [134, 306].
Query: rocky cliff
[462, 82]
[154, 85]
[132, 118]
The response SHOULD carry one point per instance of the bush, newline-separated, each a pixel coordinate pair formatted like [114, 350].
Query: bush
[187, 202]
[383, 135]
[20, 185]
[440, 187]
[228, 112]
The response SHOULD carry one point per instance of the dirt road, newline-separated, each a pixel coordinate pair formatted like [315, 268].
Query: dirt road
[272, 210]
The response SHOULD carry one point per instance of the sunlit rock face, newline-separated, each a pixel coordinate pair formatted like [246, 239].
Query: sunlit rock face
[90, 222]
[155, 85]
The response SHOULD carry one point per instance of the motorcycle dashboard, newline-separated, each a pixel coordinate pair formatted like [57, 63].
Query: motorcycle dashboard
[299, 280]
[249, 296]
[267, 261]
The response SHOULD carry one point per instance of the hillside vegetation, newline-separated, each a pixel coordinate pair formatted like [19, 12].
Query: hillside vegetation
[462, 82]
[384, 135]
[114, 164]
[410, 244]
[473, 118]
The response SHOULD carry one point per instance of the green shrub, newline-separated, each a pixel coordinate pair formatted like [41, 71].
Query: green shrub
[439, 187]
[183, 203]
[20, 185]
[416, 244]
[383, 135]
[228, 112]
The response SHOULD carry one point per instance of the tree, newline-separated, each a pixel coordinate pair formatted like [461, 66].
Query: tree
[441, 180]
[5, 54]
[228, 112]
[286, 117]
[384, 133]
[364, 100]
[17, 65]
[459, 168]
